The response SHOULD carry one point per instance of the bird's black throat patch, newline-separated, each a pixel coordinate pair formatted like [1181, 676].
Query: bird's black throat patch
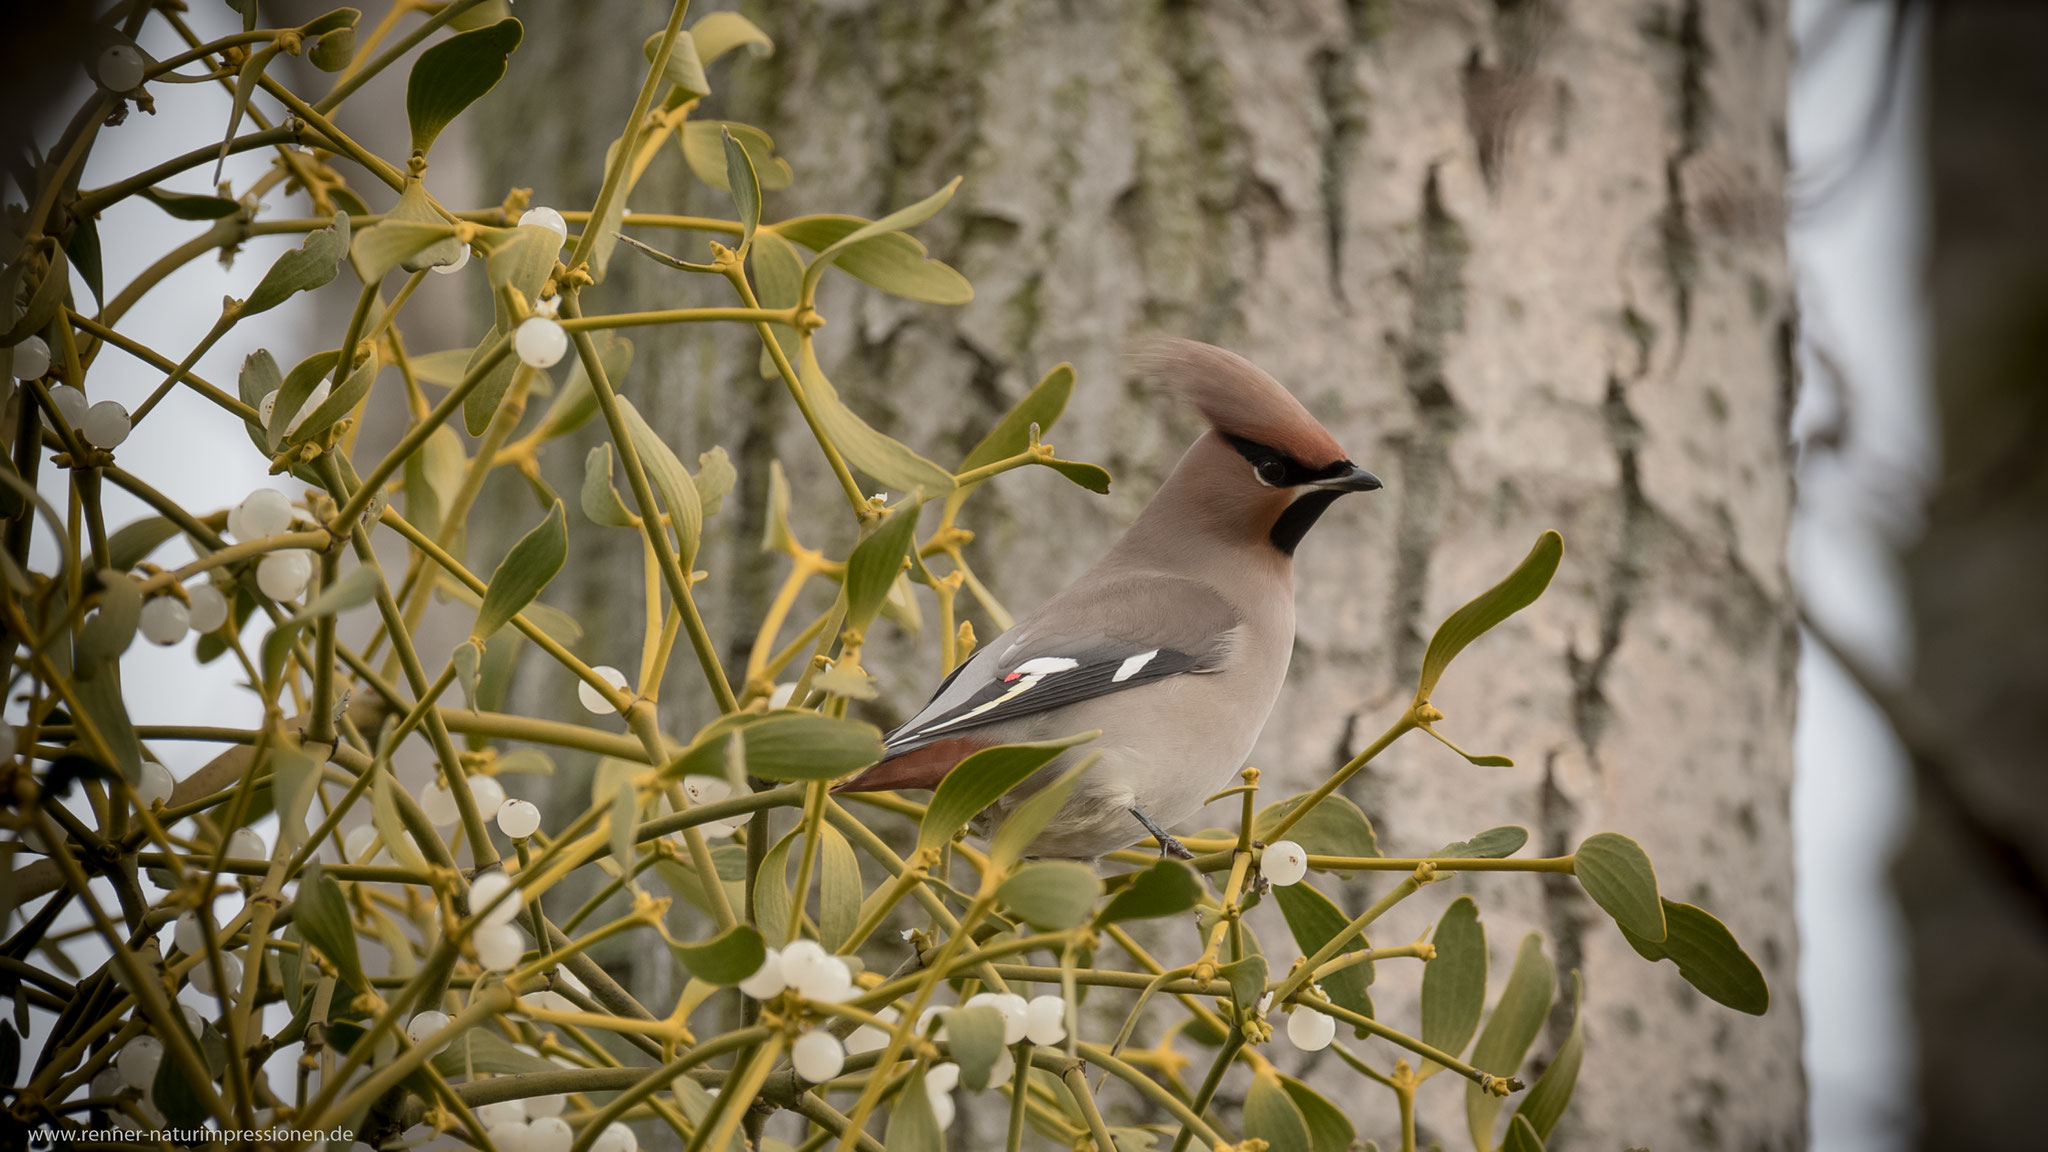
[1300, 516]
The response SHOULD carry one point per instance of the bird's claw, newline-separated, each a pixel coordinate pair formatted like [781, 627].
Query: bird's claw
[1168, 845]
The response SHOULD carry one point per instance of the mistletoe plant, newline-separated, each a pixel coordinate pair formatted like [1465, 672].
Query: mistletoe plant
[395, 960]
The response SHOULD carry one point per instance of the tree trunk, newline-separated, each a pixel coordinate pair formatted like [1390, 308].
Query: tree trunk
[1970, 876]
[1525, 259]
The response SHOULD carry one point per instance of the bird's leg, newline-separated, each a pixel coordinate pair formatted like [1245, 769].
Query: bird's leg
[1168, 846]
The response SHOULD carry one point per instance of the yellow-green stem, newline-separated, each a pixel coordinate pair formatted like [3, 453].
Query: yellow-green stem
[737, 273]
[643, 496]
[1337, 778]
[418, 434]
[739, 1094]
[814, 815]
[615, 178]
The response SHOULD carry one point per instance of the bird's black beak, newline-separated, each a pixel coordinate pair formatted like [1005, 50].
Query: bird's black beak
[1353, 479]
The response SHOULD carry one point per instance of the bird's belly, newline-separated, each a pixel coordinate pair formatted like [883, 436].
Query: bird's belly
[1165, 748]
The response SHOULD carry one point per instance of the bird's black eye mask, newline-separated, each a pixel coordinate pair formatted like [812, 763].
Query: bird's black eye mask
[1276, 469]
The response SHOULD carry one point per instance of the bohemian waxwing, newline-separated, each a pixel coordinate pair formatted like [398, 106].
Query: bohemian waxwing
[1174, 645]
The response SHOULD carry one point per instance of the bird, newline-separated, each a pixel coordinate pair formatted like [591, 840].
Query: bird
[1174, 645]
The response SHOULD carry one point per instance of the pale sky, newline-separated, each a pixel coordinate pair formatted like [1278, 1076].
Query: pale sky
[1858, 257]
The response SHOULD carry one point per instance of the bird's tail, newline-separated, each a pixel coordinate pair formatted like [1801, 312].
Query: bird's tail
[920, 767]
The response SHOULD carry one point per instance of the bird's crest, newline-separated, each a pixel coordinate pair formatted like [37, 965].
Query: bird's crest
[1238, 399]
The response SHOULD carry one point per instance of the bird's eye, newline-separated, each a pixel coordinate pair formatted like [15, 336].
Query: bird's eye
[1271, 472]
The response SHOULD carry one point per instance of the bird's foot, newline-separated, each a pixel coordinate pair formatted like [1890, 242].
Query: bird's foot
[1168, 845]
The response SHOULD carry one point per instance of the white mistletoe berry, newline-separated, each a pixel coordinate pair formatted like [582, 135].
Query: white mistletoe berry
[106, 424]
[817, 1056]
[1310, 1030]
[208, 610]
[540, 1108]
[359, 844]
[138, 1061]
[437, 803]
[32, 360]
[706, 789]
[423, 1026]
[767, 981]
[549, 1134]
[868, 1038]
[1046, 1021]
[518, 819]
[188, 934]
[1003, 1070]
[491, 895]
[710, 790]
[313, 400]
[487, 792]
[503, 1112]
[593, 700]
[801, 959]
[499, 946]
[155, 785]
[71, 404]
[283, 575]
[120, 68]
[616, 1137]
[201, 975]
[164, 620]
[830, 984]
[1284, 863]
[1015, 1010]
[546, 218]
[939, 1082]
[263, 512]
[815, 973]
[540, 342]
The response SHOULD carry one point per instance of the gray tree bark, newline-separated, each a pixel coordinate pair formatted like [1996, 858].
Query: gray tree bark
[1525, 259]
[1972, 876]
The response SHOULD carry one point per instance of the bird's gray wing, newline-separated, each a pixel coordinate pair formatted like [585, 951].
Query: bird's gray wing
[1094, 639]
